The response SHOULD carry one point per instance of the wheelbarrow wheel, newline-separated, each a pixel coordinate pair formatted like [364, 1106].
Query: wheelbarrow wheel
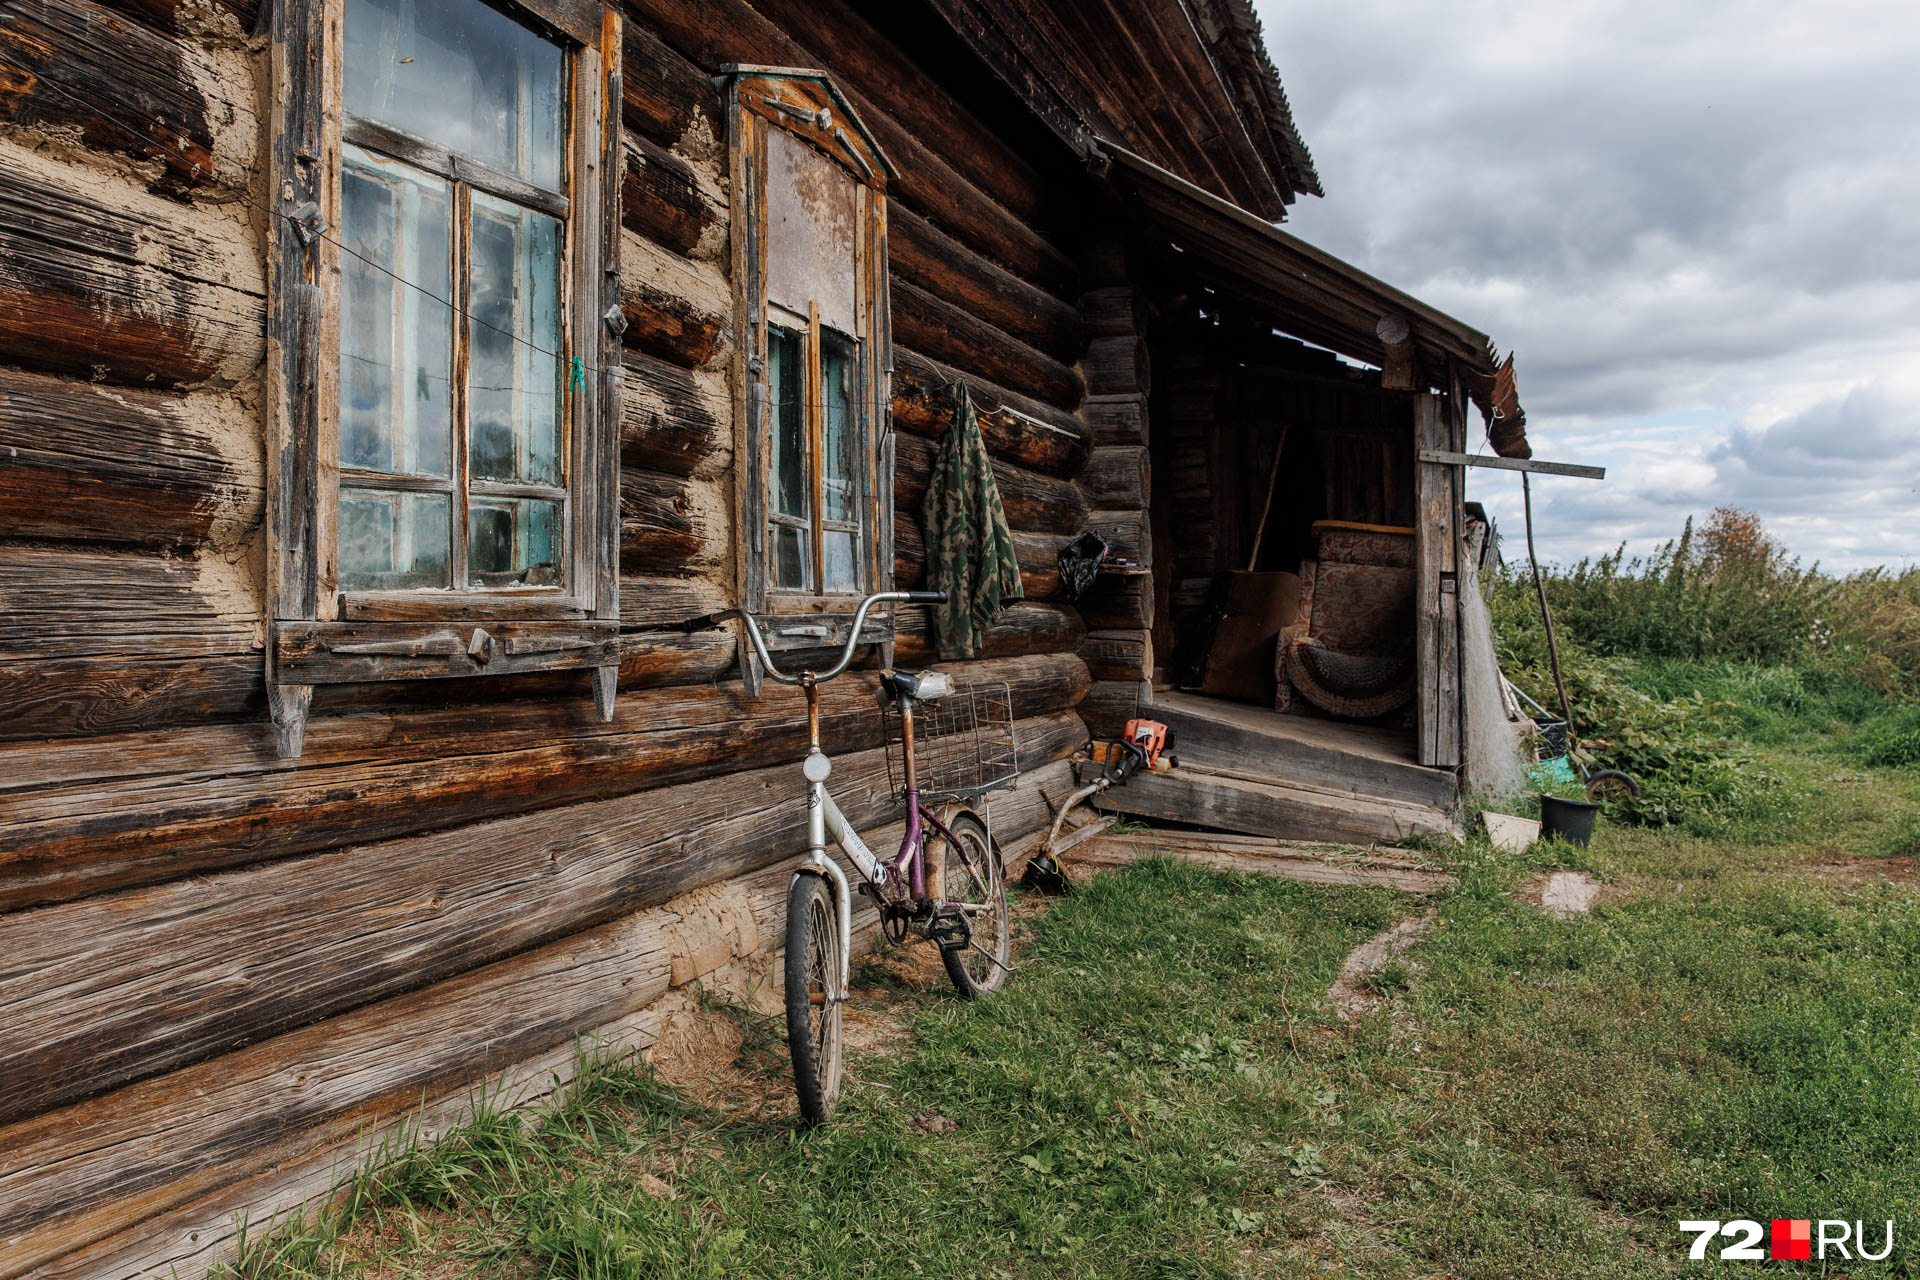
[1609, 785]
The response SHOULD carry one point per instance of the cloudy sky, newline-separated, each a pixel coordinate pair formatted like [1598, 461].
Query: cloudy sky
[1698, 225]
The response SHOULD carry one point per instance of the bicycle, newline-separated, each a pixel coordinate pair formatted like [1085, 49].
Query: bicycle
[966, 915]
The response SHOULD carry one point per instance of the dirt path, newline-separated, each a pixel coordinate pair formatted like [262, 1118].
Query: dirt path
[1352, 992]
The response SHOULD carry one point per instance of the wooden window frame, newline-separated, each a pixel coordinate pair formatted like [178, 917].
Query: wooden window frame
[316, 634]
[806, 105]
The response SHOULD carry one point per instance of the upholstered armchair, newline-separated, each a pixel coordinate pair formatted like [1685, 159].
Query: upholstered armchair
[1350, 650]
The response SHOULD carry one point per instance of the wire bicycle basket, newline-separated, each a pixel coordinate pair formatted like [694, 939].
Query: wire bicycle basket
[962, 744]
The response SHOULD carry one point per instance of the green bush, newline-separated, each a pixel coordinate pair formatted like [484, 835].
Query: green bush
[1892, 739]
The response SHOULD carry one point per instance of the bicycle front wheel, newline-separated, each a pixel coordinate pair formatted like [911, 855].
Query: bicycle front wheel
[813, 1014]
[971, 877]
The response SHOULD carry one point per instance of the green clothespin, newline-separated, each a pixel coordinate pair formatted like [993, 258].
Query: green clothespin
[579, 374]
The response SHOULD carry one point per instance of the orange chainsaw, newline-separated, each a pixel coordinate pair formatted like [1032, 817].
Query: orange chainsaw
[1144, 745]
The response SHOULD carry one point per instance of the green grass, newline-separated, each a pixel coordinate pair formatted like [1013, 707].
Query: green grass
[1163, 1090]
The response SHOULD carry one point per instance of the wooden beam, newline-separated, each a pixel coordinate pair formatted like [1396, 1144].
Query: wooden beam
[1449, 459]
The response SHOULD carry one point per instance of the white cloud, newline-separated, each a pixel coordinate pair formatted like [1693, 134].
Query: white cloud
[1690, 221]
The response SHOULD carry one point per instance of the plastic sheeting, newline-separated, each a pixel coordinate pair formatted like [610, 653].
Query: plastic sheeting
[1496, 768]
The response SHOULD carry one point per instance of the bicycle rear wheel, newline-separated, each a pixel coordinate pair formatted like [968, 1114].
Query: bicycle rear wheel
[813, 1015]
[978, 882]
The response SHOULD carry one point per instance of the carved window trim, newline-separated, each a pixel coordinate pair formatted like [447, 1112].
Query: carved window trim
[805, 105]
[316, 635]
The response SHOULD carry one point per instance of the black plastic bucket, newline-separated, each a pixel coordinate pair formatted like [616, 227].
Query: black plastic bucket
[1570, 820]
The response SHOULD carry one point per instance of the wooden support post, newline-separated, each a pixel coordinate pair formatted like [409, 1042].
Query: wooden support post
[1437, 585]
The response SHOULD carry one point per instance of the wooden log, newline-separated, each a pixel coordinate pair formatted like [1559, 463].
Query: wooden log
[1117, 476]
[110, 812]
[1027, 627]
[193, 17]
[87, 463]
[1116, 311]
[80, 71]
[674, 420]
[933, 325]
[1118, 603]
[1020, 429]
[665, 98]
[1126, 532]
[717, 33]
[669, 523]
[648, 660]
[1039, 555]
[86, 696]
[1109, 704]
[59, 603]
[676, 309]
[90, 1180]
[106, 281]
[1272, 809]
[107, 991]
[655, 602]
[1120, 419]
[662, 199]
[922, 254]
[201, 1231]
[1118, 655]
[1117, 366]
[1034, 502]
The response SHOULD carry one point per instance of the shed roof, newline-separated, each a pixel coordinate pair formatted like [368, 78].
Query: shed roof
[1313, 295]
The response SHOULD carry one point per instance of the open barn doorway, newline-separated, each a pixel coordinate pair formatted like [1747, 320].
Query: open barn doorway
[1286, 539]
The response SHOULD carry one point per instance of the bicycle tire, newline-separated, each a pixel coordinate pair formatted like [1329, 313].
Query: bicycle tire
[980, 967]
[813, 1018]
[1611, 784]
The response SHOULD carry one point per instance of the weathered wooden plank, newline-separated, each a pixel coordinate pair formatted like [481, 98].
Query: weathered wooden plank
[676, 309]
[109, 990]
[1114, 311]
[651, 601]
[101, 279]
[1118, 603]
[1308, 866]
[1127, 533]
[90, 463]
[1036, 503]
[1018, 428]
[1436, 616]
[193, 17]
[81, 697]
[1269, 809]
[922, 254]
[81, 817]
[931, 324]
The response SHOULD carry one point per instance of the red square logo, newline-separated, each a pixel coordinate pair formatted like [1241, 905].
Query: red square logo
[1792, 1239]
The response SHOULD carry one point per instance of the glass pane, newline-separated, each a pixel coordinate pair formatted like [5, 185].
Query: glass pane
[787, 382]
[391, 541]
[843, 571]
[791, 560]
[840, 479]
[513, 542]
[462, 74]
[514, 370]
[396, 340]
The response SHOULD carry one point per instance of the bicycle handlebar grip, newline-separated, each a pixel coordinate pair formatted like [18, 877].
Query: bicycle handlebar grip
[926, 597]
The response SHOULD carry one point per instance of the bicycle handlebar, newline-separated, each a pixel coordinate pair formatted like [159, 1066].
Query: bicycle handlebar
[846, 653]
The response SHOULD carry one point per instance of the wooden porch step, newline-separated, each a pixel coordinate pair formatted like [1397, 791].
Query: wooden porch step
[1265, 808]
[1290, 750]
[1272, 858]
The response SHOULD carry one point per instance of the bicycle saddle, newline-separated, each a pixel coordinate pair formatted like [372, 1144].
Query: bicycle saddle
[923, 686]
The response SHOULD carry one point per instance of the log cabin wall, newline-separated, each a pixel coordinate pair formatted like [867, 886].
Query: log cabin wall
[224, 969]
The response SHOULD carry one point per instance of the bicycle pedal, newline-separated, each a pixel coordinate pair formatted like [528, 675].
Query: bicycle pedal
[950, 929]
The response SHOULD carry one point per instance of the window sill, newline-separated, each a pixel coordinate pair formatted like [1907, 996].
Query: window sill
[353, 652]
